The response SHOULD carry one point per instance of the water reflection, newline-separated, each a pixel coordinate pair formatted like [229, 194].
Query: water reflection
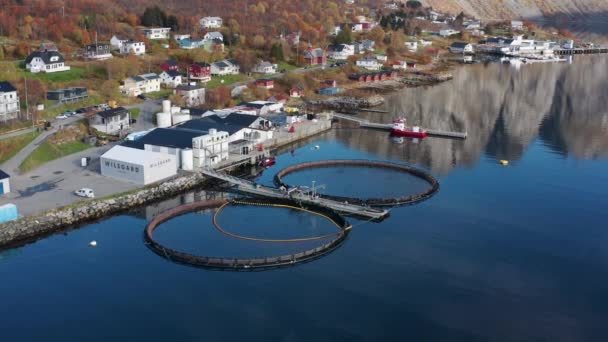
[503, 110]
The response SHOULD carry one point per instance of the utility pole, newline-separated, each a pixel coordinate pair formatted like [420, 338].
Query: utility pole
[27, 108]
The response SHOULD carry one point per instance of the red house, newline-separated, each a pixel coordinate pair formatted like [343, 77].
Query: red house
[315, 56]
[200, 72]
[169, 65]
[296, 92]
[265, 83]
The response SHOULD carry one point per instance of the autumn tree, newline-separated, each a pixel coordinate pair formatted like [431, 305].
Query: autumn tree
[344, 36]
[376, 34]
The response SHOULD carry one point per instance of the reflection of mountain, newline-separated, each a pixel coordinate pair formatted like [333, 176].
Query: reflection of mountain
[502, 110]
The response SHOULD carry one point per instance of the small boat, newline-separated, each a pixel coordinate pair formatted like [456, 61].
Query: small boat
[400, 129]
[267, 161]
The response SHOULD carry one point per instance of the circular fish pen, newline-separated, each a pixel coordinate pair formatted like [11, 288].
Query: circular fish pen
[247, 264]
[374, 202]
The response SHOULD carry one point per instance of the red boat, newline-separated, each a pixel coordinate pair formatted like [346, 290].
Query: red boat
[266, 162]
[400, 129]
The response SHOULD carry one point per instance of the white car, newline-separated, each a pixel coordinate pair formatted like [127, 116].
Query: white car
[85, 192]
[61, 116]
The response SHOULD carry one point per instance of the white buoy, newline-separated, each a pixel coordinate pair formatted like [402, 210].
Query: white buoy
[317, 147]
[93, 243]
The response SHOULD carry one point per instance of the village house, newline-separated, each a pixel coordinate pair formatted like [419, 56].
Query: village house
[178, 37]
[213, 45]
[132, 47]
[211, 22]
[399, 65]
[169, 64]
[517, 25]
[213, 35]
[341, 51]
[9, 102]
[369, 63]
[329, 91]
[373, 76]
[296, 92]
[411, 46]
[193, 95]
[461, 47]
[425, 43]
[191, 43]
[157, 32]
[293, 38]
[382, 58]
[112, 121]
[67, 95]
[170, 78]
[137, 85]
[45, 61]
[265, 67]
[315, 56]
[117, 41]
[225, 67]
[199, 71]
[265, 83]
[448, 32]
[97, 51]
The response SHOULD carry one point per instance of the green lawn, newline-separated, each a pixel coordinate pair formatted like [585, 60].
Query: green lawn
[13, 126]
[286, 66]
[134, 113]
[228, 80]
[11, 146]
[62, 76]
[47, 152]
[161, 94]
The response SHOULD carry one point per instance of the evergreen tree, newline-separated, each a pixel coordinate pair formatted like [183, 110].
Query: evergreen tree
[344, 36]
[276, 51]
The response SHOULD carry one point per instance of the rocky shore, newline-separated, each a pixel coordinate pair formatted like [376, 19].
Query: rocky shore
[31, 227]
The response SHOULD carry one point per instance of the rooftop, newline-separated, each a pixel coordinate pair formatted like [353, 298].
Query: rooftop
[168, 137]
[112, 112]
[6, 87]
[4, 175]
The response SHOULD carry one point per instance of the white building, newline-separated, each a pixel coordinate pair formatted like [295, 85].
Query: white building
[137, 85]
[369, 63]
[5, 185]
[157, 32]
[117, 41]
[210, 148]
[45, 61]
[265, 67]
[411, 46]
[517, 25]
[225, 67]
[179, 37]
[461, 47]
[112, 121]
[341, 51]
[137, 166]
[170, 78]
[9, 102]
[192, 94]
[211, 22]
[448, 32]
[133, 47]
[213, 35]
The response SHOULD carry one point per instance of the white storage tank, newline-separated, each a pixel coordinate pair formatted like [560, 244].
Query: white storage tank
[187, 159]
[163, 120]
[175, 109]
[185, 111]
[166, 106]
[177, 118]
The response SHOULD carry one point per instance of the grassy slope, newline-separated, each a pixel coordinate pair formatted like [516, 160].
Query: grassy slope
[47, 152]
[11, 146]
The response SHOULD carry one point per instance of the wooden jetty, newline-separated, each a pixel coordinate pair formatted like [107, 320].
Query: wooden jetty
[581, 51]
[432, 132]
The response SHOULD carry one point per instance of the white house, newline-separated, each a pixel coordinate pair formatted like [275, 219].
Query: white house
[9, 102]
[369, 63]
[133, 47]
[157, 32]
[170, 78]
[382, 58]
[399, 65]
[45, 61]
[425, 43]
[265, 67]
[517, 25]
[117, 41]
[179, 37]
[341, 51]
[5, 185]
[225, 67]
[461, 47]
[111, 121]
[213, 35]
[192, 94]
[137, 85]
[448, 32]
[412, 46]
[211, 22]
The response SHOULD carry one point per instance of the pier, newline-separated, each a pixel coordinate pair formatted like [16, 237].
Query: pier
[581, 51]
[257, 190]
[366, 124]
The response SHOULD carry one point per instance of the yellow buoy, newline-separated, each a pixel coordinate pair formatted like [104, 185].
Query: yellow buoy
[504, 162]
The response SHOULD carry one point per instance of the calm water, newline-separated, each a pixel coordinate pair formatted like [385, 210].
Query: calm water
[514, 253]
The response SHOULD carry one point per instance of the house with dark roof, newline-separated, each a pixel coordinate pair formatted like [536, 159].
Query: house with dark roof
[265, 67]
[341, 51]
[199, 71]
[45, 61]
[193, 95]
[170, 78]
[67, 94]
[112, 121]
[118, 41]
[461, 47]
[225, 67]
[315, 56]
[141, 84]
[5, 185]
[9, 102]
[97, 51]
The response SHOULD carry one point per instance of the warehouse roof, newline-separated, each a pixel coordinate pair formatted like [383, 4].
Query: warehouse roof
[132, 155]
[167, 137]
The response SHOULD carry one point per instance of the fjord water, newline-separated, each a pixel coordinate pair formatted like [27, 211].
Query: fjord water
[515, 253]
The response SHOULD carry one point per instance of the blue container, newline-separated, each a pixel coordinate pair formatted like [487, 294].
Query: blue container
[8, 212]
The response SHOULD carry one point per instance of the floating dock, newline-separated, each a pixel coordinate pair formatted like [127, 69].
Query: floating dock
[581, 51]
[432, 132]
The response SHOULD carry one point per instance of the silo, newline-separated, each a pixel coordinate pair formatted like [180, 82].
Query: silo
[163, 120]
[166, 106]
[187, 159]
[178, 117]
